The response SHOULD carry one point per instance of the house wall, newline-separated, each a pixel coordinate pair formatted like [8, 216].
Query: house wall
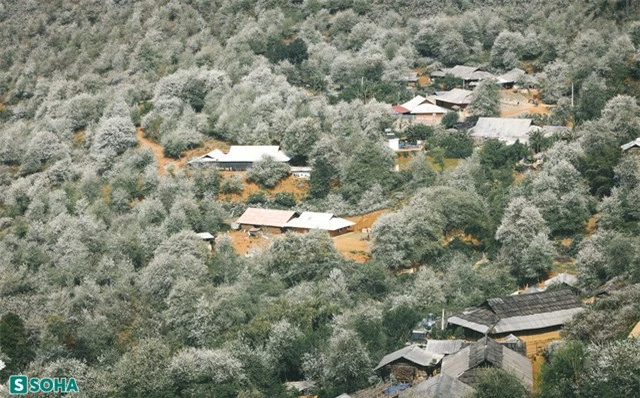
[633, 151]
[429, 118]
[273, 230]
[536, 340]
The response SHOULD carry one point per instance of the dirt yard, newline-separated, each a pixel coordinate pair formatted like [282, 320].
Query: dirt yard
[514, 104]
[298, 186]
[244, 244]
[355, 245]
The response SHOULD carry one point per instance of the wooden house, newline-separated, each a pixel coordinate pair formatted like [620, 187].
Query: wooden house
[457, 99]
[467, 364]
[439, 386]
[470, 75]
[409, 363]
[535, 318]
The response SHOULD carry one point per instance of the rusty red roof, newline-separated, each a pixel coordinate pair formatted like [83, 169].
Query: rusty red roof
[265, 217]
[399, 109]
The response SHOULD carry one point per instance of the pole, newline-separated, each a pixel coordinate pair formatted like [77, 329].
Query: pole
[572, 94]
[442, 321]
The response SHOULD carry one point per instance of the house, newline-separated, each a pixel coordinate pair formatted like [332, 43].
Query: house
[456, 99]
[410, 78]
[509, 79]
[240, 157]
[279, 221]
[535, 318]
[408, 363]
[305, 388]
[300, 171]
[445, 347]
[309, 220]
[266, 219]
[632, 147]
[504, 129]
[470, 75]
[467, 364]
[439, 386]
[420, 110]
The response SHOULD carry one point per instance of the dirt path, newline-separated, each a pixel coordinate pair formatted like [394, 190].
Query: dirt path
[162, 160]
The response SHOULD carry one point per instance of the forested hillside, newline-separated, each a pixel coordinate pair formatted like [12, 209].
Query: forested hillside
[103, 278]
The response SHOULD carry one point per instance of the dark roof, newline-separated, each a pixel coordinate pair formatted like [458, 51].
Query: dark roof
[534, 303]
[487, 351]
[521, 312]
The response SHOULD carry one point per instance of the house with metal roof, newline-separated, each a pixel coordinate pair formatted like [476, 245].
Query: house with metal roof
[408, 363]
[439, 386]
[632, 147]
[278, 221]
[536, 318]
[456, 99]
[470, 75]
[445, 347]
[507, 130]
[420, 110]
[309, 220]
[510, 78]
[266, 219]
[467, 364]
[240, 157]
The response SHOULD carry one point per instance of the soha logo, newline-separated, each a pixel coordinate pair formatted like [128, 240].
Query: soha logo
[21, 385]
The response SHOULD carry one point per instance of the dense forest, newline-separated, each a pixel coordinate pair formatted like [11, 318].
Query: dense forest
[102, 276]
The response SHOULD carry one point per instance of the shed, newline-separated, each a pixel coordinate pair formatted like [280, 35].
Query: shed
[439, 386]
[271, 220]
[562, 279]
[301, 171]
[507, 130]
[486, 352]
[408, 362]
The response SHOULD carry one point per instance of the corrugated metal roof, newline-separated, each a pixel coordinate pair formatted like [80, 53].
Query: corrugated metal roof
[412, 103]
[446, 347]
[413, 354]
[512, 76]
[439, 386]
[534, 303]
[399, 109]
[456, 96]
[563, 277]
[488, 351]
[629, 145]
[504, 129]
[205, 235]
[266, 217]
[323, 221]
[244, 154]
[536, 321]
[428, 108]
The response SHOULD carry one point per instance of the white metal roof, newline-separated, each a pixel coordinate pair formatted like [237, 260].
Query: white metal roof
[428, 109]
[508, 130]
[414, 102]
[314, 220]
[563, 277]
[535, 321]
[244, 154]
[205, 235]
[631, 144]
[456, 96]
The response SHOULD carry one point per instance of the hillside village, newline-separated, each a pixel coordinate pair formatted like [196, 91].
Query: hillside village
[321, 199]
